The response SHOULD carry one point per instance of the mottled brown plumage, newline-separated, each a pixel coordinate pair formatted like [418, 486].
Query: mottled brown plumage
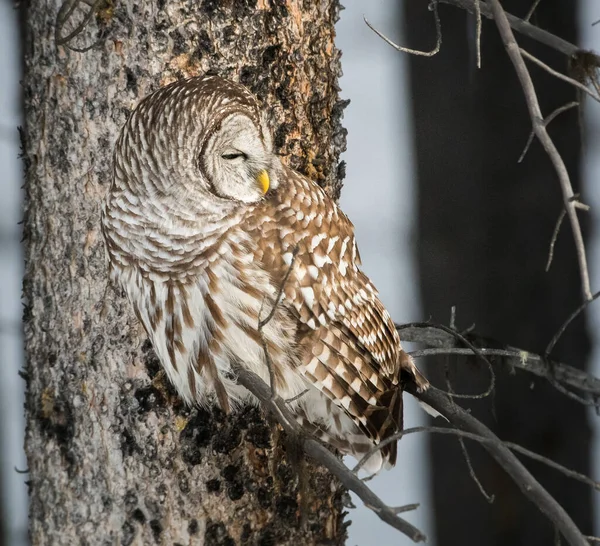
[203, 223]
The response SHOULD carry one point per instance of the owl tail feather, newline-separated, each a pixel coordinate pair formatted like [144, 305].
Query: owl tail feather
[407, 366]
[409, 372]
[356, 445]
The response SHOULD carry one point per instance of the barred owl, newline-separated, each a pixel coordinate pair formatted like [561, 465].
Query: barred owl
[203, 224]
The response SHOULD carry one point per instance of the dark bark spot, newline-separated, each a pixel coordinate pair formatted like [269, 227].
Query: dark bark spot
[57, 421]
[216, 535]
[279, 8]
[259, 435]
[156, 528]
[286, 508]
[235, 490]
[197, 434]
[339, 138]
[246, 533]
[227, 439]
[341, 171]
[205, 45]
[128, 444]
[280, 136]
[161, 491]
[150, 359]
[193, 527]
[243, 8]
[267, 538]
[130, 500]
[283, 91]
[213, 486]
[235, 487]
[270, 54]
[338, 110]
[139, 516]
[230, 472]
[285, 474]
[107, 502]
[127, 534]
[264, 497]
[130, 81]
[179, 43]
[253, 78]
[149, 399]
[210, 6]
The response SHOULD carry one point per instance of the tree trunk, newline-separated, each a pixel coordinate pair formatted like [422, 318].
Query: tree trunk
[114, 457]
[485, 224]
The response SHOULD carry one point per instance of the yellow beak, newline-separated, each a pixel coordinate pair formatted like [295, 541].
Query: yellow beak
[263, 180]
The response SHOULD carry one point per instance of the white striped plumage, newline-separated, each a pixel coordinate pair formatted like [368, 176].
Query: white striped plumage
[202, 252]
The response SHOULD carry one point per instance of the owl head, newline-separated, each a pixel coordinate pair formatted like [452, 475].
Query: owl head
[237, 158]
[197, 141]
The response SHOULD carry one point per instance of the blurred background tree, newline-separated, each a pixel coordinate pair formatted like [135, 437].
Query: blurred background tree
[485, 222]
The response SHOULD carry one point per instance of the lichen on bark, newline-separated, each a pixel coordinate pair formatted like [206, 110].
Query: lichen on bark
[114, 456]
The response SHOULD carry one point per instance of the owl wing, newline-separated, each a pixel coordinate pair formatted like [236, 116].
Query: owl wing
[351, 350]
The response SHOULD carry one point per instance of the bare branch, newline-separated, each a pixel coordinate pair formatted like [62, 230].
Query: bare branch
[555, 233]
[523, 27]
[323, 456]
[434, 336]
[558, 75]
[438, 32]
[472, 350]
[539, 127]
[529, 486]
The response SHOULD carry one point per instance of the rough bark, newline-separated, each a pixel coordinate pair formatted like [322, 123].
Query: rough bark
[485, 224]
[114, 457]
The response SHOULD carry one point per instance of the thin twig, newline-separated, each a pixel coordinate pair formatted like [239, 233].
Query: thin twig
[547, 121]
[531, 10]
[438, 32]
[461, 441]
[561, 217]
[559, 75]
[567, 322]
[537, 120]
[405, 508]
[529, 486]
[269, 317]
[478, 31]
[64, 14]
[482, 440]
